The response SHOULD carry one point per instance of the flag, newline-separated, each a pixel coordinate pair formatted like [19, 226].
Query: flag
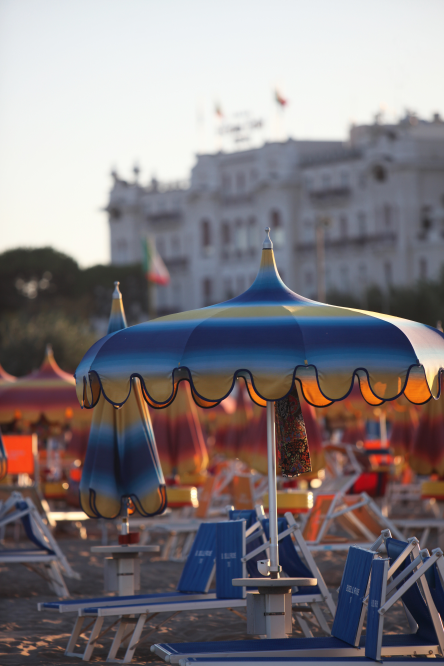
[218, 110]
[153, 266]
[279, 99]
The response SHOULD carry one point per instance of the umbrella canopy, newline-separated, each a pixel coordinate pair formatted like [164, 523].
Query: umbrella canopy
[182, 448]
[122, 460]
[270, 336]
[47, 393]
[427, 452]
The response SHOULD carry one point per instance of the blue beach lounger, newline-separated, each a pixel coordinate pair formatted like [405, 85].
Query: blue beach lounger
[230, 545]
[44, 555]
[377, 600]
[194, 583]
[346, 639]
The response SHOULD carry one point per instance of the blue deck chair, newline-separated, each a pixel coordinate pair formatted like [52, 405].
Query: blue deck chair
[346, 639]
[308, 598]
[309, 661]
[44, 556]
[230, 546]
[195, 581]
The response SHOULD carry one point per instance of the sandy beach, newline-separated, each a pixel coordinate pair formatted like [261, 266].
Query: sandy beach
[28, 637]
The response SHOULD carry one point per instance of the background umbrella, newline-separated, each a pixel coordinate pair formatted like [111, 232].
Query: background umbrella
[182, 448]
[404, 421]
[121, 460]
[427, 453]
[270, 336]
[230, 442]
[47, 393]
[3, 459]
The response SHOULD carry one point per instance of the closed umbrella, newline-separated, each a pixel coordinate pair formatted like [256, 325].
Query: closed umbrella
[121, 460]
[271, 337]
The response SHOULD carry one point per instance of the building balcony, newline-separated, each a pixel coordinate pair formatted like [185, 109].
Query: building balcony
[162, 216]
[176, 264]
[329, 195]
[351, 242]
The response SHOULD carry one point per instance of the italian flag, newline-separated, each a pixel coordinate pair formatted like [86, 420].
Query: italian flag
[153, 266]
[279, 99]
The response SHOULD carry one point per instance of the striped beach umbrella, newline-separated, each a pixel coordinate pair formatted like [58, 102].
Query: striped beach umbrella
[47, 393]
[181, 445]
[271, 337]
[121, 460]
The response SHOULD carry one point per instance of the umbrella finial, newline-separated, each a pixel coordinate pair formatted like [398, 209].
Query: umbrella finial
[439, 326]
[268, 245]
[116, 293]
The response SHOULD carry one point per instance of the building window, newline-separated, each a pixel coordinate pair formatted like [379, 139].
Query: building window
[387, 216]
[206, 237]
[226, 234]
[362, 224]
[423, 268]
[240, 236]
[344, 278]
[252, 234]
[160, 245]
[388, 273]
[207, 290]
[240, 182]
[228, 289]
[344, 179]
[277, 229]
[226, 183]
[240, 284]
[175, 246]
[343, 226]
[309, 279]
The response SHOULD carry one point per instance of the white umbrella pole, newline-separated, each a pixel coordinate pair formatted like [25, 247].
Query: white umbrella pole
[272, 493]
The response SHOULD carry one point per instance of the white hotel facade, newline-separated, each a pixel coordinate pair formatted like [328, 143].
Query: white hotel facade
[381, 191]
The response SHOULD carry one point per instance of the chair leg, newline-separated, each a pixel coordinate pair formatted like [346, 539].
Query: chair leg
[117, 639]
[92, 639]
[134, 639]
[56, 581]
[77, 630]
[304, 626]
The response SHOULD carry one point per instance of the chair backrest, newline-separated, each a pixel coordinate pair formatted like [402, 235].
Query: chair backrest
[289, 558]
[436, 586]
[198, 570]
[29, 531]
[317, 516]
[412, 599]
[230, 548]
[349, 616]
[205, 496]
[376, 598]
[242, 492]
[250, 516]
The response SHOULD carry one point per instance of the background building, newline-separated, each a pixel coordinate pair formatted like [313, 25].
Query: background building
[379, 197]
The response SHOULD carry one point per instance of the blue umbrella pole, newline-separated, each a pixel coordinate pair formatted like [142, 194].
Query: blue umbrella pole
[272, 493]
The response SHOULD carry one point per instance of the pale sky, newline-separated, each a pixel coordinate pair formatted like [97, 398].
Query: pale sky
[88, 85]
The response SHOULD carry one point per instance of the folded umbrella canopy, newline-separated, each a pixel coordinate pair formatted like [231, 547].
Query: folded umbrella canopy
[270, 336]
[121, 460]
